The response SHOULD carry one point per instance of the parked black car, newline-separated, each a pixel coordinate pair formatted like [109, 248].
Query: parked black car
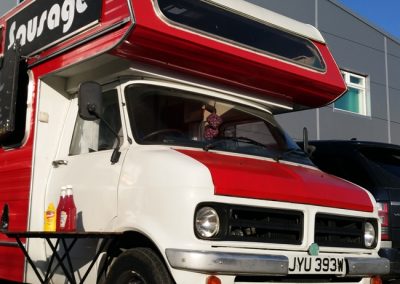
[376, 167]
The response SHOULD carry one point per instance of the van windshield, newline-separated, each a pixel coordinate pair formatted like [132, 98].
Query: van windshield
[162, 115]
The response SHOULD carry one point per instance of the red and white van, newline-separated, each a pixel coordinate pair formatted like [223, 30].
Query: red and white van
[160, 115]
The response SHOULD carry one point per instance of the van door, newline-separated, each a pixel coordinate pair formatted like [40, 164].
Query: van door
[83, 161]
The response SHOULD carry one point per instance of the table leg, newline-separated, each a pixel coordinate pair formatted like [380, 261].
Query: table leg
[22, 247]
[101, 248]
[48, 276]
[67, 250]
[69, 274]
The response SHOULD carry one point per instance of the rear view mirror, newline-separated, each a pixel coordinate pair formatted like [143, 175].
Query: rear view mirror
[89, 100]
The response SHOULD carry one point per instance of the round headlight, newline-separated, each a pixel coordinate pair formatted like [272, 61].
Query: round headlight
[207, 222]
[369, 235]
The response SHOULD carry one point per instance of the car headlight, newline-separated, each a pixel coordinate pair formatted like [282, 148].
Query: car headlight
[207, 222]
[369, 235]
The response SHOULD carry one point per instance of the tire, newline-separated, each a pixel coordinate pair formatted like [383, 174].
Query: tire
[138, 266]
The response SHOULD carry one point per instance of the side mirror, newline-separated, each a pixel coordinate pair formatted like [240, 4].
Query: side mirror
[4, 218]
[89, 100]
[9, 74]
[307, 148]
[305, 140]
[90, 108]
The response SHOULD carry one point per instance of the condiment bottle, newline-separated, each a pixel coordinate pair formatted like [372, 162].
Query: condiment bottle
[50, 219]
[70, 209]
[61, 216]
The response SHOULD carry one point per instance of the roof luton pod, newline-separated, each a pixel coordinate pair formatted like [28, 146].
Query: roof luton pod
[283, 62]
[271, 57]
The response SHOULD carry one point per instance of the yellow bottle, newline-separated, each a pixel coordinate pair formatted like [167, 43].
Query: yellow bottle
[50, 218]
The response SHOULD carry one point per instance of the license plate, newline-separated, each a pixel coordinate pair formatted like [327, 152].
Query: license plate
[317, 265]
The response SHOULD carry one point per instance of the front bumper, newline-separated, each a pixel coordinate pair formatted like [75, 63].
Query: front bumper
[393, 255]
[260, 264]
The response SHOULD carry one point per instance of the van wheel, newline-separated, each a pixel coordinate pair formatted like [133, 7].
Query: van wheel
[138, 266]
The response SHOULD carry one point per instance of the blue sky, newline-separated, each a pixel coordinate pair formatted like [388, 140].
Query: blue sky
[385, 14]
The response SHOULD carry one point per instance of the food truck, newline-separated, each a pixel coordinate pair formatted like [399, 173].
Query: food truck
[159, 116]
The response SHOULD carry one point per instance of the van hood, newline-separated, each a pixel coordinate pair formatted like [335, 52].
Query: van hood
[263, 179]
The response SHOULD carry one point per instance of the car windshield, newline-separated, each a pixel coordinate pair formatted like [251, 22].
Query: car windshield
[167, 116]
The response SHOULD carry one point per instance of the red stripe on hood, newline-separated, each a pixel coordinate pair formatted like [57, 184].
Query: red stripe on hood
[261, 179]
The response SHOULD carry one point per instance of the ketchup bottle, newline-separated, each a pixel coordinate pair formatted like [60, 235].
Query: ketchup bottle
[70, 210]
[61, 218]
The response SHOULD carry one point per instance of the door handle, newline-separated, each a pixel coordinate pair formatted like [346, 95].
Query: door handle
[58, 163]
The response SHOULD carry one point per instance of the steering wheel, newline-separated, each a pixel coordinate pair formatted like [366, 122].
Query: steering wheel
[160, 131]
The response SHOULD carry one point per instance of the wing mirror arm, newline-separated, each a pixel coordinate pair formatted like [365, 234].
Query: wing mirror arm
[91, 108]
[307, 148]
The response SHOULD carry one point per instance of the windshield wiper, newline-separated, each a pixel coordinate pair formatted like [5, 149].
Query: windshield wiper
[289, 152]
[213, 144]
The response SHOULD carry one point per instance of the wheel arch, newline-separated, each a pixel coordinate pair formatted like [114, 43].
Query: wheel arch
[134, 239]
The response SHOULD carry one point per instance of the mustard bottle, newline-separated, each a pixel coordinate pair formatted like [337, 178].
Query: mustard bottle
[50, 218]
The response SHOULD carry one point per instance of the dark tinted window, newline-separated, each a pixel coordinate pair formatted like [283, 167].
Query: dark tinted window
[344, 167]
[385, 164]
[250, 33]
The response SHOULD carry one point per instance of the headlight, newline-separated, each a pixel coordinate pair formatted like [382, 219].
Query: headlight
[207, 222]
[369, 235]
